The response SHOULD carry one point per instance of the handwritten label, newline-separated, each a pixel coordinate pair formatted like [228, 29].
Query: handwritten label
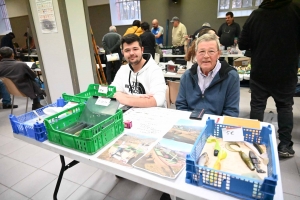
[232, 134]
[103, 101]
[103, 89]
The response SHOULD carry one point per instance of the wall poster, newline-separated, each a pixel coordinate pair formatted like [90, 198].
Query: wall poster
[46, 16]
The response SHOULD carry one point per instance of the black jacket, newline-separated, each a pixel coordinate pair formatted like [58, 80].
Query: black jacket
[148, 42]
[21, 75]
[6, 41]
[272, 32]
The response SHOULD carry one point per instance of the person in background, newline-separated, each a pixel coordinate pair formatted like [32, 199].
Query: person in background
[31, 42]
[135, 28]
[179, 33]
[6, 41]
[190, 56]
[209, 84]
[275, 47]
[140, 83]
[227, 32]
[21, 75]
[148, 39]
[196, 34]
[158, 31]
[111, 43]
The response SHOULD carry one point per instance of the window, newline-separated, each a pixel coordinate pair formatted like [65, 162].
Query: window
[4, 20]
[123, 12]
[238, 7]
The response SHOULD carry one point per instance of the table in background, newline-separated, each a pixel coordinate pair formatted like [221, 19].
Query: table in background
[176, 187]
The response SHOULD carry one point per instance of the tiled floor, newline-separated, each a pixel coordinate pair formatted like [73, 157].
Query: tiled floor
[29, 172]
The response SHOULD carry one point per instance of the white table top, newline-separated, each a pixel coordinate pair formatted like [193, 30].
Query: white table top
[172, 75]
[176, 187]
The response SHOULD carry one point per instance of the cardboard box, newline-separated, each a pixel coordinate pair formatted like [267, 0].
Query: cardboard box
[242, 62]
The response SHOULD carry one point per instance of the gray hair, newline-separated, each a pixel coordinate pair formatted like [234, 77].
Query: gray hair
[206, 38]
[112, 29]
[6, 52]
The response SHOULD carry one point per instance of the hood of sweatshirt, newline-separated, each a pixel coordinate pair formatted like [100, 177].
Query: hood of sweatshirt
[273, 4]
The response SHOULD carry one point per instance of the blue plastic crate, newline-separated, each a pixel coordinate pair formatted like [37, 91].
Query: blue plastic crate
[228, 183]
[36, 131]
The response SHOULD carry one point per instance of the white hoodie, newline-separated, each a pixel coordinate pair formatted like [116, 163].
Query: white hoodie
[149, 80]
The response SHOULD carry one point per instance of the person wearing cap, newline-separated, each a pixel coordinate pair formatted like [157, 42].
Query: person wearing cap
[158, 32]
[6, 41]
[204, 25]
[227, 32]
[178, 33]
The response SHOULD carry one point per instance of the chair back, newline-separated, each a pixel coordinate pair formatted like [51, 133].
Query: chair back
[11, 87]
[174, 88]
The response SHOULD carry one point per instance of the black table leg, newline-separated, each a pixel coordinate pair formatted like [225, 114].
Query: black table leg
[61, 173]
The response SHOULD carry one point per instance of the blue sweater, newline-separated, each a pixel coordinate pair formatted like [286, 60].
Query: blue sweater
[221, 97]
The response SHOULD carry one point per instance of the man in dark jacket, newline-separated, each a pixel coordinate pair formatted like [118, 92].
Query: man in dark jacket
[228, 31]
[6, 41]
[148, 39]
[209, 84]
[111, 43]
[272, 32]
[21, 75]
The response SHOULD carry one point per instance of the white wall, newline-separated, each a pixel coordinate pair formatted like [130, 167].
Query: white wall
[79, 37]
[16, 8]
[54, 55]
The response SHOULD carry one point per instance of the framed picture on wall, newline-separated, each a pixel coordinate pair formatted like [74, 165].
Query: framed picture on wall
[124, 12]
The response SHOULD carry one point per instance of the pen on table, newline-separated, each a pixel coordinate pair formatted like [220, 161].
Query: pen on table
[218, 120]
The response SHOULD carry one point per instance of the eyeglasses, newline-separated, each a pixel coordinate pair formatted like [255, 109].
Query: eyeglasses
[210, 52]
[226, 31]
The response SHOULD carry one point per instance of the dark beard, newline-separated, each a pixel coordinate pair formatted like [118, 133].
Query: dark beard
[136, 62]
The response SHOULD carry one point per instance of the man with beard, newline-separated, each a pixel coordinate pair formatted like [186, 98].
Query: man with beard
[140, 83]
[272, 32]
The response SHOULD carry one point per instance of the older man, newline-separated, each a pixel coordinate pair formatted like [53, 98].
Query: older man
[158, 31]
[178, 34]
[111, 44]
[209, 84]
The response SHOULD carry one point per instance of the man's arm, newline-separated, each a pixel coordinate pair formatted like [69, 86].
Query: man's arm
[220, 31]
[135, 101]
[232, 101]
[105, 47]
[183, 34]
[118, 80]
[116, 46]
[244, 39]
[181, 103]
[160, 32]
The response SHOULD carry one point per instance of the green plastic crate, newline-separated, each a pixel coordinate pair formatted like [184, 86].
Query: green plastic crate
[91, 91]
[89, 140]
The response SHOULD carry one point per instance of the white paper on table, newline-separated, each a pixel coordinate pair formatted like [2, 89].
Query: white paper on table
[112, 57]
[232, 134]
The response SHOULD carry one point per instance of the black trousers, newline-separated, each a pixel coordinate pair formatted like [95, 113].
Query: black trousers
[282, 94]
[111, 70]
